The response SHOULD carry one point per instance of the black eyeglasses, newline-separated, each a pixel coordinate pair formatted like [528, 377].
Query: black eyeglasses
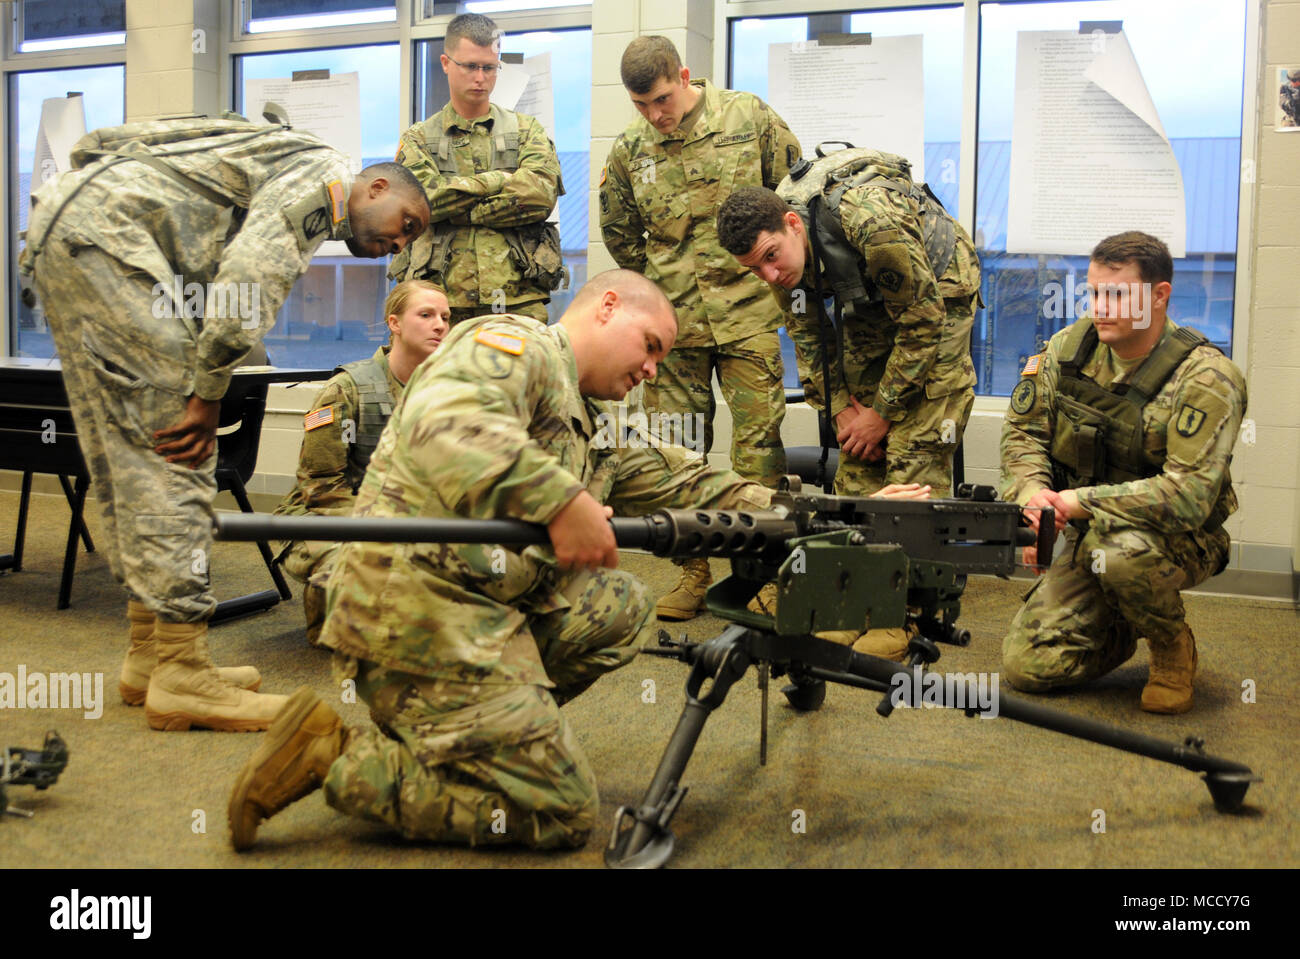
[487, 69]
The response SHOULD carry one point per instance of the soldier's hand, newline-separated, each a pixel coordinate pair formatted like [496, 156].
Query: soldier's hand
[861, 432]
[582, 536]
[903, 491]
[1029, 556]
[1047, 497]
[194, 438]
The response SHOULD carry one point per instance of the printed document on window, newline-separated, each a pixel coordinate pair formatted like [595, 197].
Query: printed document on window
[527, 88]
[871, 94]
[63, 123]
[1089, 155]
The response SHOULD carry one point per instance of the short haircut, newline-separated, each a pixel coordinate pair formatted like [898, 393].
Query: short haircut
[400, 296]
[745, 214]
[477, 29]
[1147, 252]
[398, 176]
[632, 288]
[646, 59]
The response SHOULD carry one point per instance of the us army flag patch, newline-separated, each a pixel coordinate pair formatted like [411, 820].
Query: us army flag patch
[504, 342]
[1032, 365]
[321, 417]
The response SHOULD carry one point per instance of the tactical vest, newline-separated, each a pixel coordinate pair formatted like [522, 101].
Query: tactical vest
[815, 188]
[535, 247]
[376, 399]
[1097, 433]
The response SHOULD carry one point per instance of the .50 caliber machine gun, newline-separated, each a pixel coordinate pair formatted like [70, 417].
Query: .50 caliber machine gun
[839, 563]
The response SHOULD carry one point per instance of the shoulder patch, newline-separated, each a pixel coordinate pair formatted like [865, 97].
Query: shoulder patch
[337, 200]
[1189, 420]
[1032, 365]
[317, 418]
[309, 218]
[505, 342]
[1023, 396]
[604, 174]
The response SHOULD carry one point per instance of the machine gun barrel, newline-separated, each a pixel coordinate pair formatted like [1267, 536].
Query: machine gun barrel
[664, 533]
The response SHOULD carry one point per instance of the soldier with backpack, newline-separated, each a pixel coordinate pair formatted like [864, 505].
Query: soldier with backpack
[905, 278]
[230, 212]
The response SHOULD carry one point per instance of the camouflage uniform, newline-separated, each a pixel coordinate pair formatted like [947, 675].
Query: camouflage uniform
[659, 197]
[330, 467]
[128, 230]
[1120, 573]
[907, 355]
[483, 209]
[464, 652]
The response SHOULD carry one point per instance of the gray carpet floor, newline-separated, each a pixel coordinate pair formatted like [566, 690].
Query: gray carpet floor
[922, 788]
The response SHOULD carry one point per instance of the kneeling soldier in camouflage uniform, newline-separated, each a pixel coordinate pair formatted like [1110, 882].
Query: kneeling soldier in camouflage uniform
[465, 653]
[223, 205]
[1125, 427]
[342, 429]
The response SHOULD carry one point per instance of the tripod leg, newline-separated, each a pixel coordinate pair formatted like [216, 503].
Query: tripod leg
[647, 843]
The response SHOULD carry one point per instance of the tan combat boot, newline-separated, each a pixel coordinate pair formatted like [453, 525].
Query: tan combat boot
[142, 657]
[687, 598]
[765, 602]
[1169, 682]
[185, 690]
[888, 644]
[292, 761]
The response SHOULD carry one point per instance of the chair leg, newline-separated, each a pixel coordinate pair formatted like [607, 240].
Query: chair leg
[85, 533]
[14, 560]
[77, 501]
[241, 497]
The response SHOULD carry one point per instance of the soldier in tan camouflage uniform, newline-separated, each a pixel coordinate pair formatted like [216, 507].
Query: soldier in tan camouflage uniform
[660, 190]
[493, 178]
[465, 652]
[343, 426]
[1125, 427]
[235, 211]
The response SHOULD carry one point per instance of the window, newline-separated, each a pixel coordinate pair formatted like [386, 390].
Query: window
[941, 32]
[41, 25]
[570, 52]
[101, 92]
[1190, 54]
[1031, 296]
[266, 16]
[334, 313]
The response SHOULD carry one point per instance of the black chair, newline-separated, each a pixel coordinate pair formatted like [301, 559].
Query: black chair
[37, 435]
[244, 408]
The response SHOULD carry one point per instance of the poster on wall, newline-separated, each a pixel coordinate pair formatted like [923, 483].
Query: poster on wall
[1288, 100]
[1087, 144]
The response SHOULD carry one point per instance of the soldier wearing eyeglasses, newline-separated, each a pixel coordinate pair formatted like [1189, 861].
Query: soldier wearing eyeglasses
[492, 178]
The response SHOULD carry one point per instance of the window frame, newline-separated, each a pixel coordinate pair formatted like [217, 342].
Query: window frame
[725, 11]
[12, 62]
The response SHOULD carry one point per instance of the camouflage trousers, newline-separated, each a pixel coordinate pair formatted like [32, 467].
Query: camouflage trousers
[311, 563]
[487, 764]
[536, 309]
[751, 376]
[1084, 616]
[918, 448]
[129, 373]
